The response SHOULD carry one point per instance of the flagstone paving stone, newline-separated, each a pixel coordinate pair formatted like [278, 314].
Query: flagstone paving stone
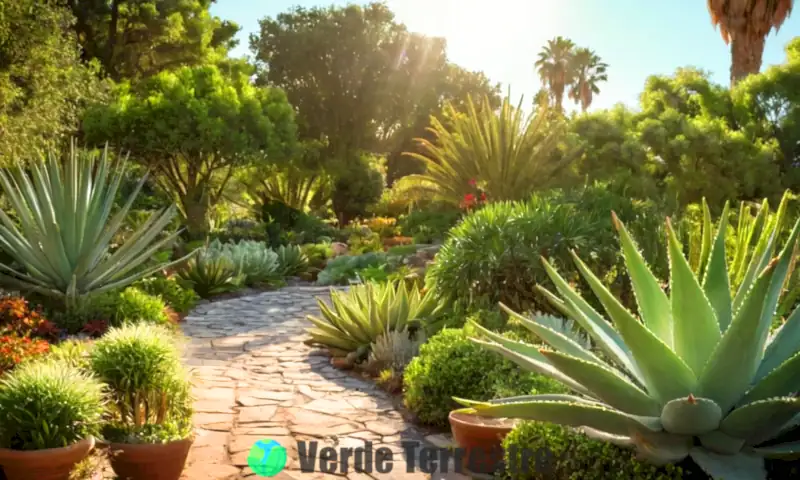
[254, 378]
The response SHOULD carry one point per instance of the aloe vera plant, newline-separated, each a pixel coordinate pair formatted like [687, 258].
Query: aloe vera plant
[365, 312]
[62, 240]
[697, 374]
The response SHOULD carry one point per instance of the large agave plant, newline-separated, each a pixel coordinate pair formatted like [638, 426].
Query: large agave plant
[698, 374]
[365, 312]
[65, 226]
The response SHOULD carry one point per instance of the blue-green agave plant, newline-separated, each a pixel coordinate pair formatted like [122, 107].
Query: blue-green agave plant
[61, 239]
[696, 374]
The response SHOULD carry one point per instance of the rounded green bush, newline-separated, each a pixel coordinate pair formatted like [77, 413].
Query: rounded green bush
[48, 404]
[450, 365]
[131, 305]
[170, 290]
[149, 387]
[545, 451]
[494, 254]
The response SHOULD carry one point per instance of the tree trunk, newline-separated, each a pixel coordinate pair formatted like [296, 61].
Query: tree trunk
[195, 208]
[112, 40]
[746, 52]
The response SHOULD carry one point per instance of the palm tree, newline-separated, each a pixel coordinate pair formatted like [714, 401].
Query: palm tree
[553, 66]
[744, 25]
[587, 71]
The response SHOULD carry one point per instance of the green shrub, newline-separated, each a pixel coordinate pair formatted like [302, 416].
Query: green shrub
[358, 186]
[285, 224]
[340, 270]
[494, 254]
[148, 387]
[317, 255]
[74, 353]
[450, 365]
[237, 230]
[131, 305]
[429, 225]
[178, 298]
[545, 451]
[48, 405]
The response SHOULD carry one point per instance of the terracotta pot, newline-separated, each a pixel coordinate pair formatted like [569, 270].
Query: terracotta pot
[481, 439]
[48, 464]
[150, 461]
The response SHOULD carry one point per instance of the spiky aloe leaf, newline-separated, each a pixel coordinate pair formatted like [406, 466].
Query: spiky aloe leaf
[664, 374]
[653, 303]
[729, 467]
[780, 382]
[572, 414]
[606, 384]
[660, 448]
[695, 328]
[783, 346]
[705, 251]
[732, 366]
[789, 450]
[595, 325]
[716, 283]
[750, 419]
[719, 442]
[553, 338]
[527, 357]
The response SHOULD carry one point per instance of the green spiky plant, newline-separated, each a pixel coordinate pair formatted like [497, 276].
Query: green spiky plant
[365, 312]
[699, 375]
[65, 227]
[292, 261]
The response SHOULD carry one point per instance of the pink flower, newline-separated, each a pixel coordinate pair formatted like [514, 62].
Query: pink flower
[472, 182]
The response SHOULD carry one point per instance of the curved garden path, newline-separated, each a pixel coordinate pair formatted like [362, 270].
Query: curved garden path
[254, 378]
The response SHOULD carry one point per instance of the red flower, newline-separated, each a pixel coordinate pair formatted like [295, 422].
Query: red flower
[472, 182]
[483, 196]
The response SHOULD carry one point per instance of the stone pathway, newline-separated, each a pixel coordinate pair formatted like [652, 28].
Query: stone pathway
[255, 379]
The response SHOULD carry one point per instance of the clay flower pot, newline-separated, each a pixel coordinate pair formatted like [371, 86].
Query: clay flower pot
[48, 464]
[481, 438]
[149, 461]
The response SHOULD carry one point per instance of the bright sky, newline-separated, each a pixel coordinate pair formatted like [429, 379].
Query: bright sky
[502, 37]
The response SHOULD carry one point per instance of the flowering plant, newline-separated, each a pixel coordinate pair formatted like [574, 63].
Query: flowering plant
[15, 349]
[475, 198]
[16, 317]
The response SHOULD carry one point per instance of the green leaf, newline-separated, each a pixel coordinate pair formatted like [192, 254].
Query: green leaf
[572, 414]
[783, 345]
[729, 467]
[595, 325]
[750, 419]
[664, 374]
[654, 306]
[780, 382]
[695, 328]
[716, 283]
[553, 338]
[606, 384]
[733, 363]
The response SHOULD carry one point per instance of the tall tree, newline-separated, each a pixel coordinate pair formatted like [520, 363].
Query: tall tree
[192, 128]
[744, 25]
[134, 39]
[554, 67]
[587, 71]
[43, 84]
[358, 79]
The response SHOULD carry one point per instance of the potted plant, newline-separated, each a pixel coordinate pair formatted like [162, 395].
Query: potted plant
[51, 412]
[149, 429]
[481, 438]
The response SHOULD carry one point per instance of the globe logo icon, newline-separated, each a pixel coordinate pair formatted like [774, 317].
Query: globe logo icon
[267, 458]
